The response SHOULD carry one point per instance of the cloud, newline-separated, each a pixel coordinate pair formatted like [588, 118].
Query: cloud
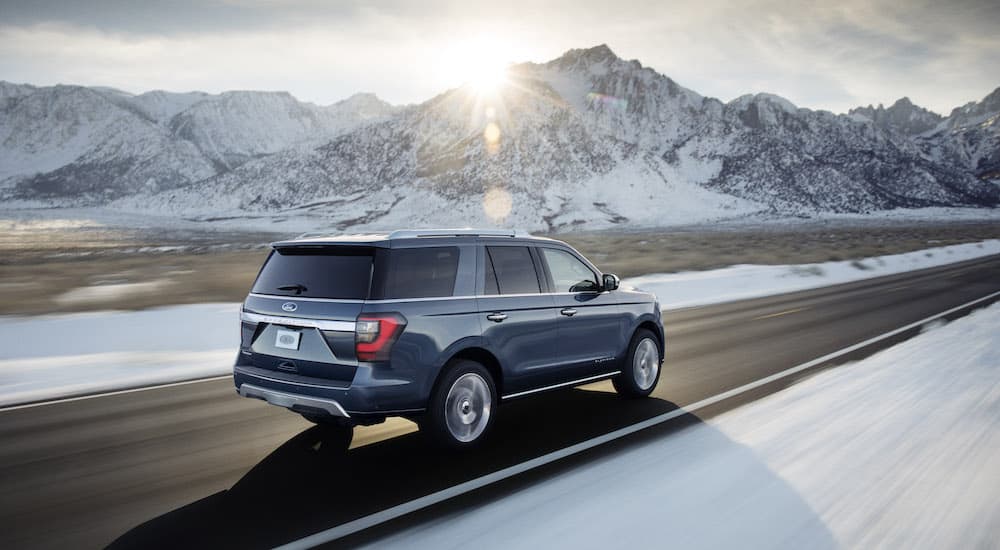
[817, 54]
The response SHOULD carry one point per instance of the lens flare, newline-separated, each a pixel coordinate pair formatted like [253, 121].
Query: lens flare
[607, 101]
[497, 203]
[491, 135]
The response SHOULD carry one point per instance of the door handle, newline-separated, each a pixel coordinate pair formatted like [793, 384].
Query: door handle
[496, 317]
[568, 312]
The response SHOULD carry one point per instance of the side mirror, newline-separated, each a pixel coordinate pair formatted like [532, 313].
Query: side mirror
[611, 281]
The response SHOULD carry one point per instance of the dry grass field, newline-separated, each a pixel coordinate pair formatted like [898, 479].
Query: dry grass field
[50, 267]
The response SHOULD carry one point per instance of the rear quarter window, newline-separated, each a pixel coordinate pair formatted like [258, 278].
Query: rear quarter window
[427, 272]
[514, 270]
[315, 272]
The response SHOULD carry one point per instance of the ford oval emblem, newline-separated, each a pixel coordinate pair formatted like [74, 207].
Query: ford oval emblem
[289, 306]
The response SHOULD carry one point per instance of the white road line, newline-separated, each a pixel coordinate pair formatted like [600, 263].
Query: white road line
[117, 392]
[423, 502]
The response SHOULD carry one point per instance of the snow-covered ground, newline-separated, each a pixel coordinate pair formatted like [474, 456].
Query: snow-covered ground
[55, 356]
[895, 451]
[739, 282]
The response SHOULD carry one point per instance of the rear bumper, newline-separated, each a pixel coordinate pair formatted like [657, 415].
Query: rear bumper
[365, 398]
[298, 403]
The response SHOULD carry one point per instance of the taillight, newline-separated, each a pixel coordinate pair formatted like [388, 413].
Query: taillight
[375, 333]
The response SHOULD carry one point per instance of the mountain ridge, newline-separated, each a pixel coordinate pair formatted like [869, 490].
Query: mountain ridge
[586, 139]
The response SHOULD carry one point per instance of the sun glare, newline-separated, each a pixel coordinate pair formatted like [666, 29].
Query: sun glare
[480, 63]
[488, 76]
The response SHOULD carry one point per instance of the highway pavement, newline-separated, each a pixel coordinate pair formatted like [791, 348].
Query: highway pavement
[194, 464]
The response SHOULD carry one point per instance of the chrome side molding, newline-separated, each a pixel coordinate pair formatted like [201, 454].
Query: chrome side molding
[565, 384]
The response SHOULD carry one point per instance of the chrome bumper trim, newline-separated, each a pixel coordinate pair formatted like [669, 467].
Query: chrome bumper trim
[289, 400]
[338, 326]
[244, 372]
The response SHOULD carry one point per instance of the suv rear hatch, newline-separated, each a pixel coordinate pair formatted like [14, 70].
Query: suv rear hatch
[300, 317]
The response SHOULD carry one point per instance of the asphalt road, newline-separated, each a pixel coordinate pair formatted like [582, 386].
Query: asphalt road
[195, 464]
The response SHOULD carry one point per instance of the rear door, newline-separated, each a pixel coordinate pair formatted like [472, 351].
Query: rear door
[299, 317]
[589, 321]
[518, 320]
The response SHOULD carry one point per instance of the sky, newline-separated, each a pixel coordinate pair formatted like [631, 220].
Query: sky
[821, 55]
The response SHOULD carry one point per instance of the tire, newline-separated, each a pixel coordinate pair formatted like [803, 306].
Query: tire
[641, 371]
[462, 407]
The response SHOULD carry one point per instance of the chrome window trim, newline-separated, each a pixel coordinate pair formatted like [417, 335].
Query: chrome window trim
[564, 384]
[524, 295]
[336, 326]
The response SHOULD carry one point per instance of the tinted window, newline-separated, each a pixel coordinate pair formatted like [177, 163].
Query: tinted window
[328, 272]
[515, 272]
[569, 274]
[421, 272]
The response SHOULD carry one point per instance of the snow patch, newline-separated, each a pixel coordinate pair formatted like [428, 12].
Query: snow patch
[108, 292]
[740, 282]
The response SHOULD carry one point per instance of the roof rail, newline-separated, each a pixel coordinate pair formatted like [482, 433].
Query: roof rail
[465, 232]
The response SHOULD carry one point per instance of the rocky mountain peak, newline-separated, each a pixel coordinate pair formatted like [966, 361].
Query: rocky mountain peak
[595, 54]
[597, 58]
[902, 103]
[989, 105]
[903, 117]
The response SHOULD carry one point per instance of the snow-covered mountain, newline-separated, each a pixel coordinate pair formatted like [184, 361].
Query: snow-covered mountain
[235, 127]
[902, 116]
[802, 160]
[968, 139]
[587, 139]
[77, 144]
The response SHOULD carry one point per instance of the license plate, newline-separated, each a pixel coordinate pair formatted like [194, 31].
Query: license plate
[288, 339]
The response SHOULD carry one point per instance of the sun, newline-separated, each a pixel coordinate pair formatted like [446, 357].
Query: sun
[480, 62]
[488, 75]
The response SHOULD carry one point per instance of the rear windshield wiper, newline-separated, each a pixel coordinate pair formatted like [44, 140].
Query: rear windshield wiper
[299, 289]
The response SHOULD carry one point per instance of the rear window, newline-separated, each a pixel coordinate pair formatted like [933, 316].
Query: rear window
[326, 272]
[421, 272]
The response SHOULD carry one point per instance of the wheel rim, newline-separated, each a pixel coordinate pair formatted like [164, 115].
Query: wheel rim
[467, 407]
[645, 364]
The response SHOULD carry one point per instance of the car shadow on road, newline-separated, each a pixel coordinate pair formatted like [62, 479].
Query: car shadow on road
[308, 485]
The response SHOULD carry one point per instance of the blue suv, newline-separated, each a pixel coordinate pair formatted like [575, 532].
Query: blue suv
[438, 326]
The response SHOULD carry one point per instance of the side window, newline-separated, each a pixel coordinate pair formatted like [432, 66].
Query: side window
[515, 272]
[422, 272]
[568, 273]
